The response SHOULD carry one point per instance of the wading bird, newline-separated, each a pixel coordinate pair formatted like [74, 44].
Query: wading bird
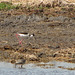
[20, 62]
[23, 35]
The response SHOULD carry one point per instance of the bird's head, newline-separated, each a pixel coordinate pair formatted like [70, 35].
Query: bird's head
[32, 35]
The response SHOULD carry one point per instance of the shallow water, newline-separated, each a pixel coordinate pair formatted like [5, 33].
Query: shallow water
[50, 68]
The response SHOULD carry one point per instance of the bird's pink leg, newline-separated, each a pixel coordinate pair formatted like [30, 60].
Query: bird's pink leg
[17, 36]
[20, 41]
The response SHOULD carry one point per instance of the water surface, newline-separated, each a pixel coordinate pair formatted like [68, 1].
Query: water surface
[50, 68]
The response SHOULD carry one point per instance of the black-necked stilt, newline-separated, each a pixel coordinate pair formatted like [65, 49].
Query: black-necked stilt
[20, 62]
[23, 35]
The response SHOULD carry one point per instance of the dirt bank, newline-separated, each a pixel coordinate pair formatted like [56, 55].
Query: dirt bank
[53, 29]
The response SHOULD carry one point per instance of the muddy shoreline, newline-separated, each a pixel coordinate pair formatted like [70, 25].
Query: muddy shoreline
[53, 29]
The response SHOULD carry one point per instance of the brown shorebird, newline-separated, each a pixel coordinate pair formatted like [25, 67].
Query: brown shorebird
[23, 35]
[20, 62]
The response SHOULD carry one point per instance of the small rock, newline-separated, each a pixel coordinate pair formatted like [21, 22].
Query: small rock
[7, 47]
[42, 55]
[54, 55]
[57, 47]
[51, 47]
[31, 57]
[13, 61]
[22, 49]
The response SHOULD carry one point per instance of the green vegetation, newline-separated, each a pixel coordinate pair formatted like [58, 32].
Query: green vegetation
[7, 6]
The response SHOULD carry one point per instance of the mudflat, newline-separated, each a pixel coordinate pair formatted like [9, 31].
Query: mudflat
[54, 30]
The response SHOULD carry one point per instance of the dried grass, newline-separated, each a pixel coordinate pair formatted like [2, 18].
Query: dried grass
[37, 2]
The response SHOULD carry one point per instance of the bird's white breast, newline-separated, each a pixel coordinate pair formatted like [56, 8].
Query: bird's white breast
[24, 35]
